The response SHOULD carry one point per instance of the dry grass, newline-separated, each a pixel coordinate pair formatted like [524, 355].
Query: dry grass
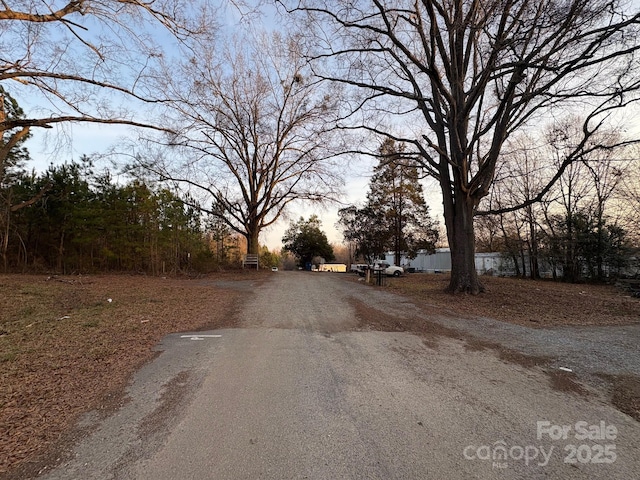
[538, 303]
[70, 344]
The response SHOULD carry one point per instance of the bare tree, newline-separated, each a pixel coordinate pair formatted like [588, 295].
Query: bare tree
[84, 60]
[606, 175]
[574, 220]
[255, 132]
[525, 170]
[458, 77]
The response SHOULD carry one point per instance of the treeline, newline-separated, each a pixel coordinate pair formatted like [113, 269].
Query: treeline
[70, 219]
[586, 227]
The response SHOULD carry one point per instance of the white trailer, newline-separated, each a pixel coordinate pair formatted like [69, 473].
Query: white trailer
[333, 267]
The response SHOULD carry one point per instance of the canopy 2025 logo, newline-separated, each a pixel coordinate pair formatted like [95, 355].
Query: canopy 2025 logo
[583, 443]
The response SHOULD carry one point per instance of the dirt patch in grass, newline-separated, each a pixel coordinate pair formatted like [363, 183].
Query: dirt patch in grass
[69, 345]
[538, 303]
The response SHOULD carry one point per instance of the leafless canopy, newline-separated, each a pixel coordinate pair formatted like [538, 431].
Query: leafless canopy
[255, 131]
[476, 71]
[76, 60]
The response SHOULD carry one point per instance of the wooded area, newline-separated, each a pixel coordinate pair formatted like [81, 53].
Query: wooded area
[454, 79]
[86, 221]
[586, 226]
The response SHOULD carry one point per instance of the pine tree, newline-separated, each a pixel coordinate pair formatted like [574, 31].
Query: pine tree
[13, 154]
[396, 195]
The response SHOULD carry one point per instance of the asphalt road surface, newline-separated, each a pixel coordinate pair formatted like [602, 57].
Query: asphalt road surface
[300, 392]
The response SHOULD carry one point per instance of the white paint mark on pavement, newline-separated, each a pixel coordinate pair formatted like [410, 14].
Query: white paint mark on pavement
[199, 337]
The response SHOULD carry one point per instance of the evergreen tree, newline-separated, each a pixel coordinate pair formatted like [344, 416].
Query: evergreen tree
[397, 200]
[13, 155]
[365, 229]
[268, 259]
[87, 222]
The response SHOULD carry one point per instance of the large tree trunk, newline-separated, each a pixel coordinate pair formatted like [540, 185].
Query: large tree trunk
[462, 242]
[534, 266]
[253, 246]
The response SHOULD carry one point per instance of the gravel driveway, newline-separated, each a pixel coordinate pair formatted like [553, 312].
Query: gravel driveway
[586, 350]
[304, 389]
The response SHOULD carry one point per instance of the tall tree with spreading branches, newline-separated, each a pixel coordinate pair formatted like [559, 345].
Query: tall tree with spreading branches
[254, 133]
[455, 78]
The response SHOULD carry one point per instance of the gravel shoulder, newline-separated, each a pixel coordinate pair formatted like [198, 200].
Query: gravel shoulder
[598, 356]
[607, 349]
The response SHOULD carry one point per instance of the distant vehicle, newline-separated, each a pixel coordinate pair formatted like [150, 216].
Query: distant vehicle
[274, 269]
[387, 269]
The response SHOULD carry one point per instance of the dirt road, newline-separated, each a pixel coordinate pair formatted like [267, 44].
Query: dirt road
[300, 391]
